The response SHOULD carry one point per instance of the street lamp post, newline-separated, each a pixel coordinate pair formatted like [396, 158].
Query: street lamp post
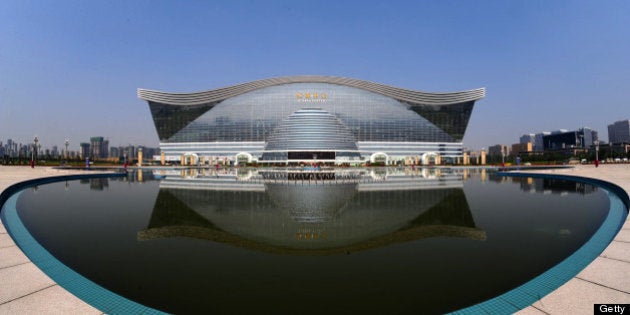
[596, 152]
[67, 142]
[33, 156]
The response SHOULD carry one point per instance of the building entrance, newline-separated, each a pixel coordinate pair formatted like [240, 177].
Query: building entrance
[311, 155]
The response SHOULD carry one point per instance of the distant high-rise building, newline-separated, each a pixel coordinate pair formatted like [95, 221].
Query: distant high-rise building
[84, 150]
[114, 152]
[99, 147]
[562, 139]
[619, 132]
[105, 149]
[498, 150]
[150, 152]
[538, 142]
[23, 150]
[529, 137]
[95, 147]
[11, 148]
[522, 148]
[590, 136]
[129, 152]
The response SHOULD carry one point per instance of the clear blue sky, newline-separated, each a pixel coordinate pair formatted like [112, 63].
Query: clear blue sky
[72, 68]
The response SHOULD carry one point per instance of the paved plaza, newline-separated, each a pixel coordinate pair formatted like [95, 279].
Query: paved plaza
[27, 290]
[24, 288]
[607, 279]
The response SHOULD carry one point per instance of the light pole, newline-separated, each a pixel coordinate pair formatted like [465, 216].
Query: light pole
[596, 151]
[67, 142]
[33, 152]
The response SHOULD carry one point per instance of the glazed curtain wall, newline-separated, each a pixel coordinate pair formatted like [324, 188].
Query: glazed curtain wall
[253, 116]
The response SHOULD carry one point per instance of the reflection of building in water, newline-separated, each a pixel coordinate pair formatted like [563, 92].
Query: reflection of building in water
[100, 183]
[255, 179]
[481, 173]
[96, 183]
[311, 203]
[552, 186]
[494, 177]
[300, 218]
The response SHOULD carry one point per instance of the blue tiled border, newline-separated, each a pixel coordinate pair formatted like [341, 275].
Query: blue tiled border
[535, 289]
[85, 289]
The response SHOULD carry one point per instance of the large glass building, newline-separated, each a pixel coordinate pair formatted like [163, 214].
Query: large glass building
[311, 118]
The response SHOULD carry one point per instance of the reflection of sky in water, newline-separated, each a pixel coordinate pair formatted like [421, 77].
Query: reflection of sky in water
[402, 239]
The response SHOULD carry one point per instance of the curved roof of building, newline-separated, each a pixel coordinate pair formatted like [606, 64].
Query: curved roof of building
[409, 96]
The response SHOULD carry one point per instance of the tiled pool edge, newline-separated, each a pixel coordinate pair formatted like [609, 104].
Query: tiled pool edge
[24, 287]
[70, 280]
[607, 278]
[527, 294]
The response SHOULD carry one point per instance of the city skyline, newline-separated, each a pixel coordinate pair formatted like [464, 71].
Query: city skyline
[61, 145]
[96, 147]
[71, 70]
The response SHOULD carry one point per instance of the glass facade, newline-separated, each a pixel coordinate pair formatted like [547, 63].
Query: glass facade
[581, 138]
[310, 134]
[259, 122]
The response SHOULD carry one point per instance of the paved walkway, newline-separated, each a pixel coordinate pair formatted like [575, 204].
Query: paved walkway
[27, 290]
[24, 289]
[607, 279]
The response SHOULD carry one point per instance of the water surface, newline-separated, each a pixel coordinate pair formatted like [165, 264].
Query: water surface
[375, 240]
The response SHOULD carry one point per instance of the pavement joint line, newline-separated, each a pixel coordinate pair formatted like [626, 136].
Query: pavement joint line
[601, 285]
[20, 264]
[540, 300]
[617, 259]
[31, 293]
[540, 309]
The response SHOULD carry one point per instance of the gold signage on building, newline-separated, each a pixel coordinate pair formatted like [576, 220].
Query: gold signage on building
[311, 96]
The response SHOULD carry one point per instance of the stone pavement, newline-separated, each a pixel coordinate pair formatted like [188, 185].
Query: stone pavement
[607, 279]
[24, 289]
